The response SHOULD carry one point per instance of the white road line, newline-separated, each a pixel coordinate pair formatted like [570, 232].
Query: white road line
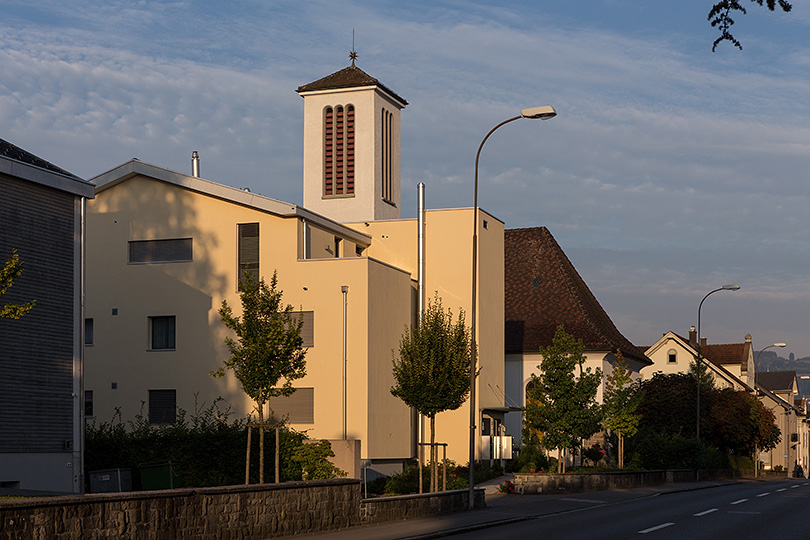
[794, 486]
[764, 494]
[740, 501]
[783, 489]
[705, 512]
[657, 527]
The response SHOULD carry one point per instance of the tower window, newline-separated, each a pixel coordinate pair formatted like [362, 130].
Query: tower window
[387, 153]
[338, 141]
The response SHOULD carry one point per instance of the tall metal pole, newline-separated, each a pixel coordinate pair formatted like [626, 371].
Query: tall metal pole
[345, 290]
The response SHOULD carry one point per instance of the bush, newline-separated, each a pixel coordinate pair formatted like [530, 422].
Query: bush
[653, 450]
[206, 449]
[457, 478]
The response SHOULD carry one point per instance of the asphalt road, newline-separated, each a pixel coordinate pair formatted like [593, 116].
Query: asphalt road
[757, 511]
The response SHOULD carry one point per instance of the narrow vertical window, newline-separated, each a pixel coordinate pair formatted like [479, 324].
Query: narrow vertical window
[162, 333]
[88, 403]
[329, 152]
[340, 127]
[350, 150]
[162, 406]
[387, 166]
[248, 248]
[88, 332]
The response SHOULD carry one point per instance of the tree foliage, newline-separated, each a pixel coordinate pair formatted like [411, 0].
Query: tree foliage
[312, 457]
[11, 270]
[268, 347]
[559, 402]
[720, 17]
[432, 373]
[741, 424]
[620, 404]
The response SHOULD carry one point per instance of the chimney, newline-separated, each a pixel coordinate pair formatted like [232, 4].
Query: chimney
[702, 342]
[692, 336]
[195, 164]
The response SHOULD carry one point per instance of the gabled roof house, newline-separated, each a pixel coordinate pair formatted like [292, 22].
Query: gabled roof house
[542, 291]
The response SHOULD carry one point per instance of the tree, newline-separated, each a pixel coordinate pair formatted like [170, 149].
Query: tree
[558, 403]
[268, 347]
[720, 17]
[621, 402]
[432, 373]
[741, 424]
[11, 270]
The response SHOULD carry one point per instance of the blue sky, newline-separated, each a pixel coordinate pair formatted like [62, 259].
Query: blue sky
[669, 171]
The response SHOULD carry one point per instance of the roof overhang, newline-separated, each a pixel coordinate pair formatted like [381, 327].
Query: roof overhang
[25, 171]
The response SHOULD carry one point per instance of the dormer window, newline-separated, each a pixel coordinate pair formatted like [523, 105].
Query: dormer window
[338, 151]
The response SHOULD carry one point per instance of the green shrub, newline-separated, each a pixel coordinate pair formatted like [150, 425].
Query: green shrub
[457, 478]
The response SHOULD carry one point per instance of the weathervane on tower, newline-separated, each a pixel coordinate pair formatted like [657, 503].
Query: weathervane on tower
[353, 54]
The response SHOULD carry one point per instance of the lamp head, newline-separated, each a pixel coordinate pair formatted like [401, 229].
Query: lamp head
[780, 344]
[732, 287]
[543, 113]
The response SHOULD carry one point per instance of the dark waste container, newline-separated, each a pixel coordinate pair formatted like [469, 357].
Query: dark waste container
[157, 475]
[110, 480]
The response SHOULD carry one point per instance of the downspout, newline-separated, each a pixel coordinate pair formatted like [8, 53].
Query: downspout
[345, 290]
[420, 211]
[78, 376]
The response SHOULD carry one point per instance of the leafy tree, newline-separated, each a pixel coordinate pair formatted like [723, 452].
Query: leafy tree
[268, 347]
[621, 402]
[11, 270]
[741, 424]
[668, 404]
[720, 17]
[558, 403]
[432, 373]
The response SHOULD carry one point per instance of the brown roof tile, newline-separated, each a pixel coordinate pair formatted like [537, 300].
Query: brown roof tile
[776, 381]
[728, 353]
[349, 77]
[544, 290]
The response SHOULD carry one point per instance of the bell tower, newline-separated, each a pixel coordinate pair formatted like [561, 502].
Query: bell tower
[351, 147]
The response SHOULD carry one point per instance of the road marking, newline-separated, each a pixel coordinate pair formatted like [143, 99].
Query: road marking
[764, 494]
[794, 486]
[783, 489]
[740, 501]
[705, 512]
[594, 501]
[657, 527]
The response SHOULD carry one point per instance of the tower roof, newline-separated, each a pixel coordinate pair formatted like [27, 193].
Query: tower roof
[350, 77]
[544, 290]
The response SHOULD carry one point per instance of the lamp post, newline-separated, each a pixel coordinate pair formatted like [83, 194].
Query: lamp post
[733, 287]
[544, 113]
[756, 392]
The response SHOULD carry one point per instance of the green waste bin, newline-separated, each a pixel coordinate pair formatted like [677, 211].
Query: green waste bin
[157, 475]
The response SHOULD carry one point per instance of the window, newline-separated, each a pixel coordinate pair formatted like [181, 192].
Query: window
[88, 403]
[308, 329]
[248, 250]
[337, 246]
[299, 408]
[162, 406]
[160, 251]
[162, 333]
[387, 164]
[88, 332]
[672, 356]
[338, 151]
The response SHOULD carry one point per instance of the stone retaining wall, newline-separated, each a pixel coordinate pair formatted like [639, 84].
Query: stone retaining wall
[231, 512]
[530, 483]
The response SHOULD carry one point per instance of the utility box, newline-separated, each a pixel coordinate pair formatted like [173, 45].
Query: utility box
[157, 475]
[110, 480]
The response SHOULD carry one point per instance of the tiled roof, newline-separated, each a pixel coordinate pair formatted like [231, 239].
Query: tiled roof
[776, 381]
[349, 77]
[728, 353]
[18, 154]
[544, 290]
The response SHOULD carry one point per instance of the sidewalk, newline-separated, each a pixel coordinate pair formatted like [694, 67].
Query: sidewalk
[501, 509]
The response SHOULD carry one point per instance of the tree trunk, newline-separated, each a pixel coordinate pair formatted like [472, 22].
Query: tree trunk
[260, 409]
[434, 472]
[621, 450]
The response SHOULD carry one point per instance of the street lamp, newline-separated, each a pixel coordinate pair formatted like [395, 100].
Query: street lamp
[543, 113]
[756, 392]
[733, 287]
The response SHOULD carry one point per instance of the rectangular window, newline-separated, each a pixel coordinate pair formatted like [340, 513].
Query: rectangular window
[160, 251]
[162, 406]
[88, 332]
[88, 403]
[298, 408]
[248, 250]
[308, 329]
[162, 332]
